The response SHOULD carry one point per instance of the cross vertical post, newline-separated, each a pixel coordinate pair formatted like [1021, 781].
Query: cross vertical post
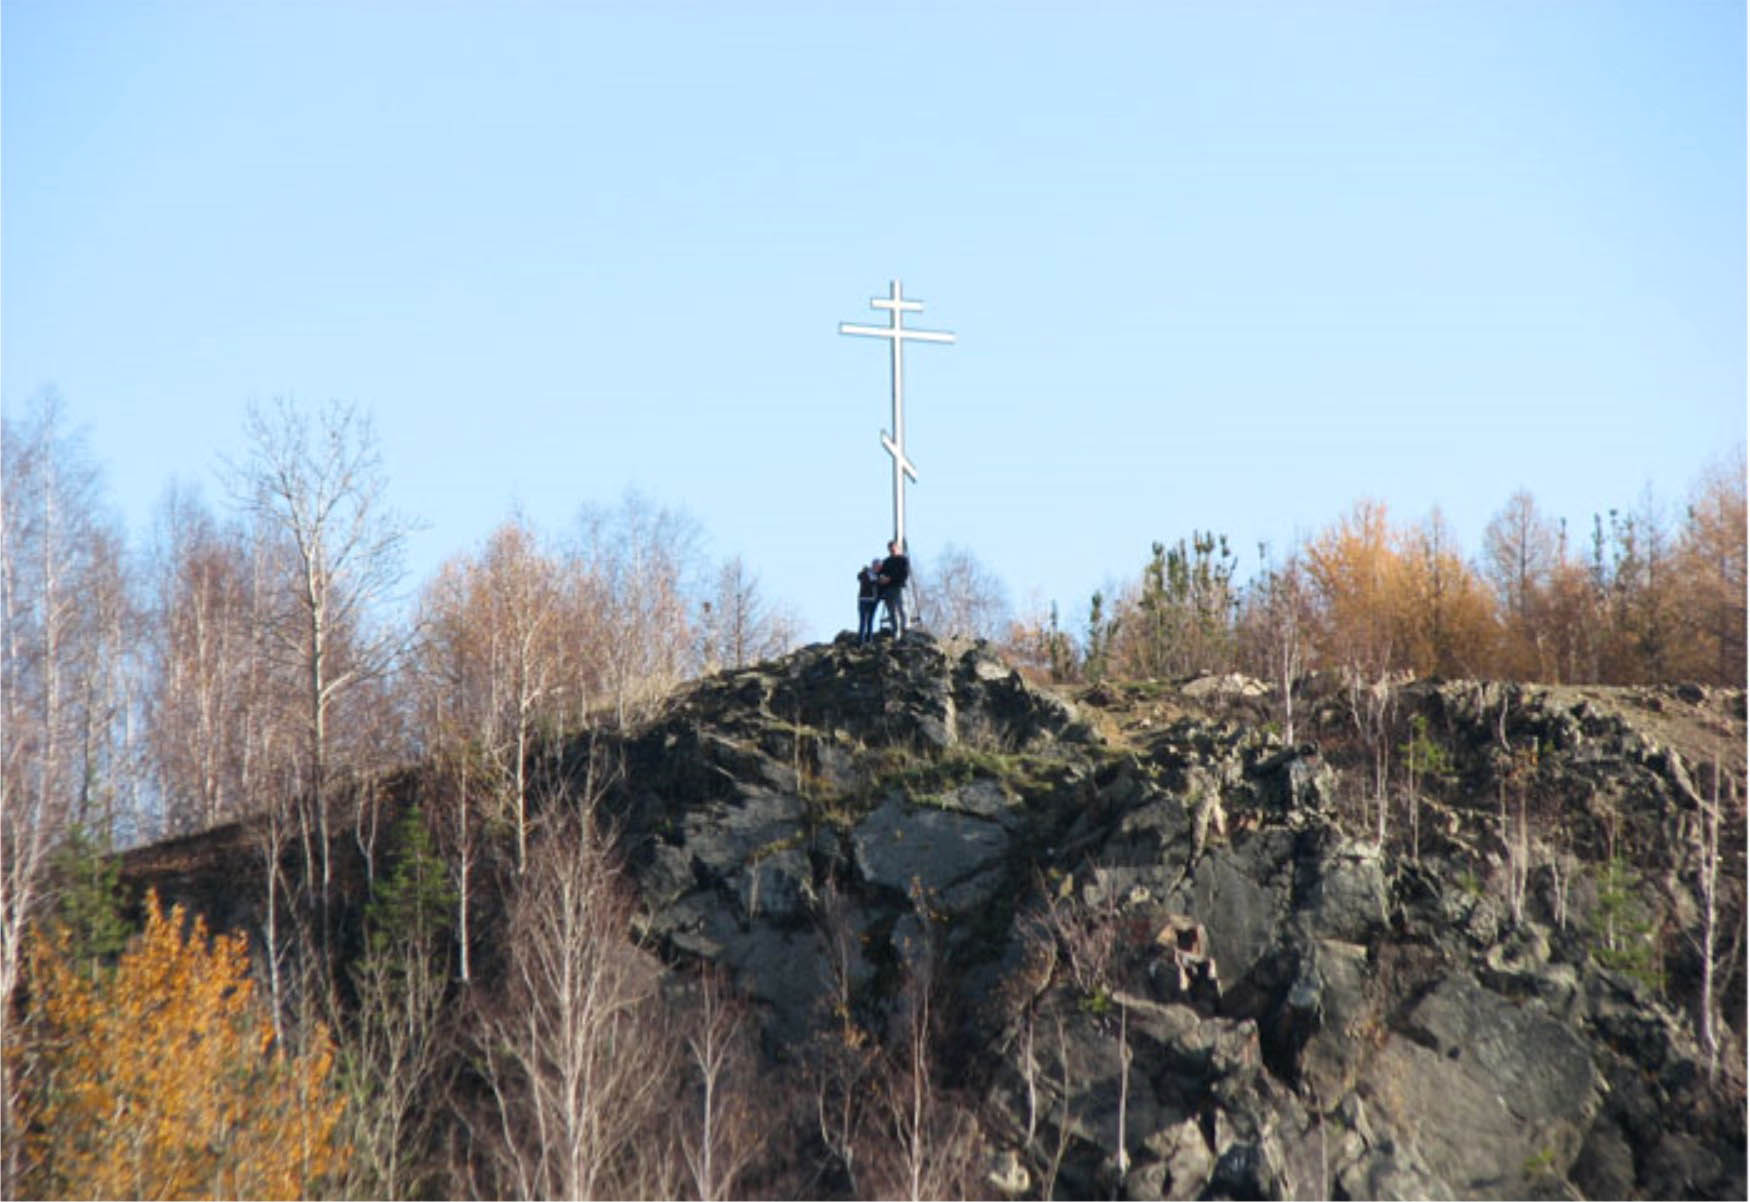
[896, 333]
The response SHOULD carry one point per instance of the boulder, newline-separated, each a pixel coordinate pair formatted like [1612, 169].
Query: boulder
[901, 846]
[1228, 684]
[1240, 895]
[1605, 1167]
[1324, 1022]
[1496, 1099]
[1345, 896]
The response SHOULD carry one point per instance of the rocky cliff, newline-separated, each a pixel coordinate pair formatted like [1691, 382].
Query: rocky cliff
[1173, 956]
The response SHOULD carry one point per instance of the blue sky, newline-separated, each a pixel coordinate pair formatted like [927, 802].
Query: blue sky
[1211, 265]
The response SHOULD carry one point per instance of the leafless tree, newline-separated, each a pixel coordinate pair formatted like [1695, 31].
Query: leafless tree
[1656, 597]
[316, 491]
[1274, 622]
[105, 672]
[1711, 558]
[737, 625]
[1518, 769]
[1065, 1089]
[271, 835]
[1075, 933]
[1717, 948]
[847, 1070]
[1372, 704]
[525, 613]
[501, 665]
[577, 1066]
[496, 660]
[65, 629]
[919, 1145]
[958, 597]
[1710, 898]
[636, 577]
[209, 694]
[722, 1131]
[1519, 553]
[881, 1108]
[1123, 1086]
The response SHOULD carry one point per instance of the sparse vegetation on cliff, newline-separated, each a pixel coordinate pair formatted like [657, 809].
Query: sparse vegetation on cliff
[921, 925]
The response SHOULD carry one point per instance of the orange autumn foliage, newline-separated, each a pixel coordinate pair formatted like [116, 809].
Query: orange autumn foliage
[162, 1079]
[1391, 599]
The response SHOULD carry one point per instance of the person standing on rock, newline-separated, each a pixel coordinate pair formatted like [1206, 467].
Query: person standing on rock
[895, 570]
[868, 592]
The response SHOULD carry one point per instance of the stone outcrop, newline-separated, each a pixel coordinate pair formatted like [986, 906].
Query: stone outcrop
[1178, 963]
[1349, 1021]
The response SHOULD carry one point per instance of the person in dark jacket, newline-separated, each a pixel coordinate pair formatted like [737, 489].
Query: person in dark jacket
[868, 592]
[895, 570]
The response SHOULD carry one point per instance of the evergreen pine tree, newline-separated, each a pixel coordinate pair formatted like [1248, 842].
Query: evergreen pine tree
[88, 905]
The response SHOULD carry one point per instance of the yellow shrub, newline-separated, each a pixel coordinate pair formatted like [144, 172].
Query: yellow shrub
[162, 1080]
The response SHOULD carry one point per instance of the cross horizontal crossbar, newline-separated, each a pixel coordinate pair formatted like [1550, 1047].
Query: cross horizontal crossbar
[896, 332]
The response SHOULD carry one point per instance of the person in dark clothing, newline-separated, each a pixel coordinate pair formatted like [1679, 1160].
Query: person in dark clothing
[868, 592]
[895, 570]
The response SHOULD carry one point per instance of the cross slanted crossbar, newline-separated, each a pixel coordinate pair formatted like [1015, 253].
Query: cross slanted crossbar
[896, 333]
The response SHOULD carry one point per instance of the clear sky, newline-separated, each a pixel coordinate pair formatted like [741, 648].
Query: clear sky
[1211, 265]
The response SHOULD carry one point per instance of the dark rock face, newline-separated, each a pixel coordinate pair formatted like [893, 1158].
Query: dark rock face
[902, 846]
[1362, 1026]
[1172, 971]
[1357, 1025]
[878, 772]
[1514, 1091]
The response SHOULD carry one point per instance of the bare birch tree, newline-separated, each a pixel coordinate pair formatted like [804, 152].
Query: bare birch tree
[1274, 625]
[737, 625]
[579, 1073]
[720, 1132]
[497, 659]
[959, 597]
[1711, 562]
[62, 634]
[919, 1144]
[637, 564]
[1521, 551]
[104, 665]
[1719, 882]
[316, 487]
[203, 680]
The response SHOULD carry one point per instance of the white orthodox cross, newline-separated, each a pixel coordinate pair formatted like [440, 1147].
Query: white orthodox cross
[896, 333]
